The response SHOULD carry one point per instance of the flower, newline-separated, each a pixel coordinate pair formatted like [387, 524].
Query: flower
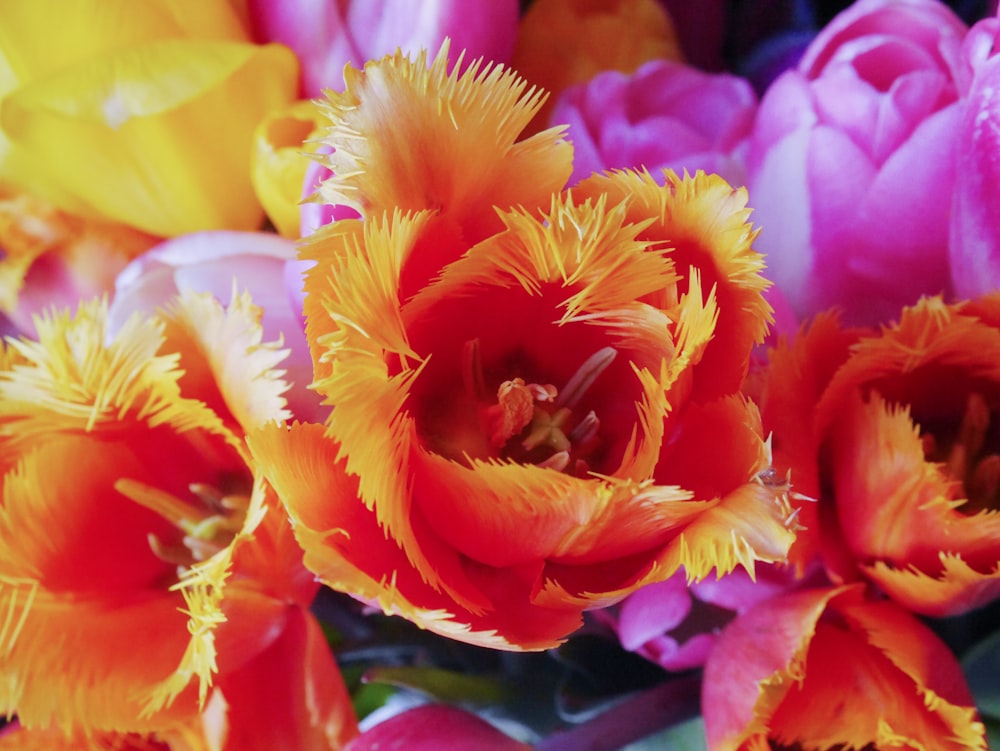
[565, 42]
[895, 435]
[279, 163]
[435, 727]
[513, 439]
[675, 624]
[214, 262]
[154, 109]
[664, 115]
[975, 238]
[155, 525]
[860, 137]
[50, 257]
[328, 35]
[828, 668]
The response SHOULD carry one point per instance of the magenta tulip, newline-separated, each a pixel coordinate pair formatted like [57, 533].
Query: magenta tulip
[852, 161]
[328, 34]
[666, 114]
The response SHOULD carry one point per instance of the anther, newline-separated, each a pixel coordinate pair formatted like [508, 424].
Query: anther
[584, 377]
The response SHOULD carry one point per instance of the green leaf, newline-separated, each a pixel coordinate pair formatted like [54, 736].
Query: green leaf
[443, 685]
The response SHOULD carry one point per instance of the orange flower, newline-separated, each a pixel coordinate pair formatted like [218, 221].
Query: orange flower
[144, 529]
[898, 439]
[822, 669]
[527, 426]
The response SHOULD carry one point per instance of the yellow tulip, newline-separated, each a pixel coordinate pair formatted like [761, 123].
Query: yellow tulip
[280, 162]
[142, 113]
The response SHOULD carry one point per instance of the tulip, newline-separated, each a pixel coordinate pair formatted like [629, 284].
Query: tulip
[156, 526]
[975, 224]
[664, 115]
[478, 358]
[828, 668]
[435, 727]
[215, 262]
[859, 137]
[154, 109]
[565, 42]
[893, 433]
[53, 258]
[330, 34]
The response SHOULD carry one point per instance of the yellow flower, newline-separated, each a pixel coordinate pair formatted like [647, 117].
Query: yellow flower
[140, 113]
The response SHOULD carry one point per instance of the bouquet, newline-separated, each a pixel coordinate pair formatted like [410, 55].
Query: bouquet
[495, 375]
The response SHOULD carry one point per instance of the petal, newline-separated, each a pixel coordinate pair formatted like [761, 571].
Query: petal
[109, 115]
[280, 162]
[388, 130]
[290, 695]
[435, 727]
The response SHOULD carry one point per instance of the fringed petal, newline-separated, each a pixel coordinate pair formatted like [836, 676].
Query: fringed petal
[410, 135]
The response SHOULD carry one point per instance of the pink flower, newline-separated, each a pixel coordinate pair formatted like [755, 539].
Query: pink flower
[675, 625]
[665, 114]
[436, 727]
[852, 161]
[328, 34]
[215, 262]
[975, 224]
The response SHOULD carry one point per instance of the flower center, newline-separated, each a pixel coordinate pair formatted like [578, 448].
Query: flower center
[971, 455]
[534, 423]
[207, 521]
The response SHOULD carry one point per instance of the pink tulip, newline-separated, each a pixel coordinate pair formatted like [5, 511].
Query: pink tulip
[666, 114]
[214, 262]
[975, 224]
[675, 625]
[328, 34]
[435, 727]
[852, 161]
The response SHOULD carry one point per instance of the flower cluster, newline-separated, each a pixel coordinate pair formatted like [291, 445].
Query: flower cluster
[499, 375]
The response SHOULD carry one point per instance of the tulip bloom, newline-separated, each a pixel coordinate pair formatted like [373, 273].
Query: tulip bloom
[664, 115]
[565, 42]
[435, 727]
[899, 444]
[214, 262]
[860, 136]
[330, 34]
[155, 109]
[154, 525]
[827, 668]
[975, 224]
[50, 257]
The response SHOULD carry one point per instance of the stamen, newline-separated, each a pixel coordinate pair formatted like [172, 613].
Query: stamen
[586, 429]
[558, 461]
[176, 511]
[585, 376]
[984, 485]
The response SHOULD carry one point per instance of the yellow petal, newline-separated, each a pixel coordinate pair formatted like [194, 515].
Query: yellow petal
[160, 135]
[280, 162]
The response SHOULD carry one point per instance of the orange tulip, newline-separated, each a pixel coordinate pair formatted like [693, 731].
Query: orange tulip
[822, 669]
[539, 429]
[896, 435]
[130, 506]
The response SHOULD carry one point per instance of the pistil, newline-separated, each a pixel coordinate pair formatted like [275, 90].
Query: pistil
[537, 423]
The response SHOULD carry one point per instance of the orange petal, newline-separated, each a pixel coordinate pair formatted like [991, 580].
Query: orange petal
[705, 223]
[409, 135]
